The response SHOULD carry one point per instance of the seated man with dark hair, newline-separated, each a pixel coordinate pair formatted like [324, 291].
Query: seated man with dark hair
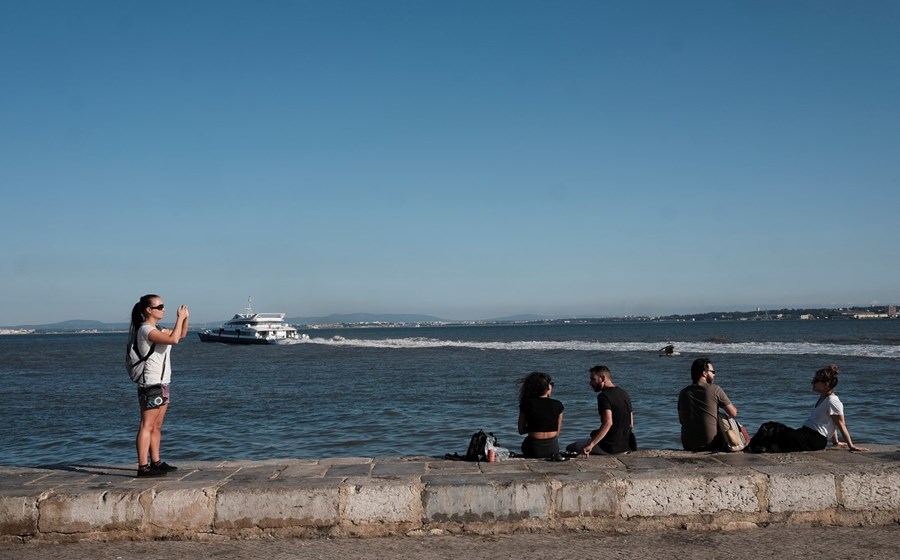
[616, 418]
[698, 409]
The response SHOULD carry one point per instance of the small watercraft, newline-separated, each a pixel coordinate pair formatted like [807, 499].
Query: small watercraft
[669, 350]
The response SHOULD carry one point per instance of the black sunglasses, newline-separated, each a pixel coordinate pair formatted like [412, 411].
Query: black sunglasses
[159, 307]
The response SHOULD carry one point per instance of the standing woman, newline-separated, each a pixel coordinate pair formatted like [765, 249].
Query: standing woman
[825, 420]
[539, 416]
[155, 342]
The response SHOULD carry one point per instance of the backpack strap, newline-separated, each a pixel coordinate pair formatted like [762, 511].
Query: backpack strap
[144, 358]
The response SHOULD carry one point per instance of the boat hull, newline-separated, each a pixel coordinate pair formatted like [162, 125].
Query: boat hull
[235, 339]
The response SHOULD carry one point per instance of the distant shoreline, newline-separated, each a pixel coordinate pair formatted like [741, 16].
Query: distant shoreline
[816, 314]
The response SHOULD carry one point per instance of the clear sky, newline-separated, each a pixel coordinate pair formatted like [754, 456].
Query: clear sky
[464, 159]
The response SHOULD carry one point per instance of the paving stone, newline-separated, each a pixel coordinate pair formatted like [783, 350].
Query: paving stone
[398, 469]
[350, 469]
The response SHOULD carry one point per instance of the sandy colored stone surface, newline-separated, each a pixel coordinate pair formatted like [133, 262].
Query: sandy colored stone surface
[649, 490]
[821, 543]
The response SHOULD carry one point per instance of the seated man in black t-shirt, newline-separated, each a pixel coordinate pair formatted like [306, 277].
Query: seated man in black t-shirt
[616, 418]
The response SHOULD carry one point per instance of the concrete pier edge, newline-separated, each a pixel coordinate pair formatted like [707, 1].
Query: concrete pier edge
[361, 497]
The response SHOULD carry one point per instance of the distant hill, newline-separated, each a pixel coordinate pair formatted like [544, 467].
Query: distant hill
[76, 325]
[374, 318]
[348, 318]
[334, 319]
[519, 319]
[351, 318]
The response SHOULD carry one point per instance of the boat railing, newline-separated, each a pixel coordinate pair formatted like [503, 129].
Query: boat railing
[270, 316]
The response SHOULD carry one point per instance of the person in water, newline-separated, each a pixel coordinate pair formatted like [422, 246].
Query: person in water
[825, 420]
[540, 416]
[155, 342]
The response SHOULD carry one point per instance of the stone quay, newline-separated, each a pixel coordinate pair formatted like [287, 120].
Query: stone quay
[363, 497]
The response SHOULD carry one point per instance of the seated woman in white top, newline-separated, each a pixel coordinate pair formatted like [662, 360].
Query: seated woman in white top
[825, 420]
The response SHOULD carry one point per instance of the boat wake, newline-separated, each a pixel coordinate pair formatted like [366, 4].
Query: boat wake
[717, 347]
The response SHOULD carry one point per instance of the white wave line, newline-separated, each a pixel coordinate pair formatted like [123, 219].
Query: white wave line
[783, 348]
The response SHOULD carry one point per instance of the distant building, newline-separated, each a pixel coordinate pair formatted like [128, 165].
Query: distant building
[892, 311]
[806, 317]
[870, 315]
[16, 331]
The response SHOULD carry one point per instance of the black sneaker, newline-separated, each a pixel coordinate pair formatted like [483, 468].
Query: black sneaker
[148, 471]
[163, 466]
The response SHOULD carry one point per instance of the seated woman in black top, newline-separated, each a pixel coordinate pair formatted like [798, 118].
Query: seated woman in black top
[539, 416]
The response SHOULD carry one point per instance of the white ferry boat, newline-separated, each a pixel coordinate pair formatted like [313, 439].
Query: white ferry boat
[250, 327]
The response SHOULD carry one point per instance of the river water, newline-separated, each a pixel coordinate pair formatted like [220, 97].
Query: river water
[423, 391]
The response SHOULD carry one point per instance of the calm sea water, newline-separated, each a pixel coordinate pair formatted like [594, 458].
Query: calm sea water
[423, 391]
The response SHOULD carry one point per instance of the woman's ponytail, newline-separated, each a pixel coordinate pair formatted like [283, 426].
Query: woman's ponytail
[137, 315]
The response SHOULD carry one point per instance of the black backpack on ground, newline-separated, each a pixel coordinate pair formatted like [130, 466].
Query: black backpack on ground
[478, 446]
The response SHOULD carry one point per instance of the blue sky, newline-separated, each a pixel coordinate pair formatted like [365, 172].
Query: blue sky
[460, 159]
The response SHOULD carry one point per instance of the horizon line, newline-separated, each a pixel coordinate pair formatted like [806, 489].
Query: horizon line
[535, 317]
